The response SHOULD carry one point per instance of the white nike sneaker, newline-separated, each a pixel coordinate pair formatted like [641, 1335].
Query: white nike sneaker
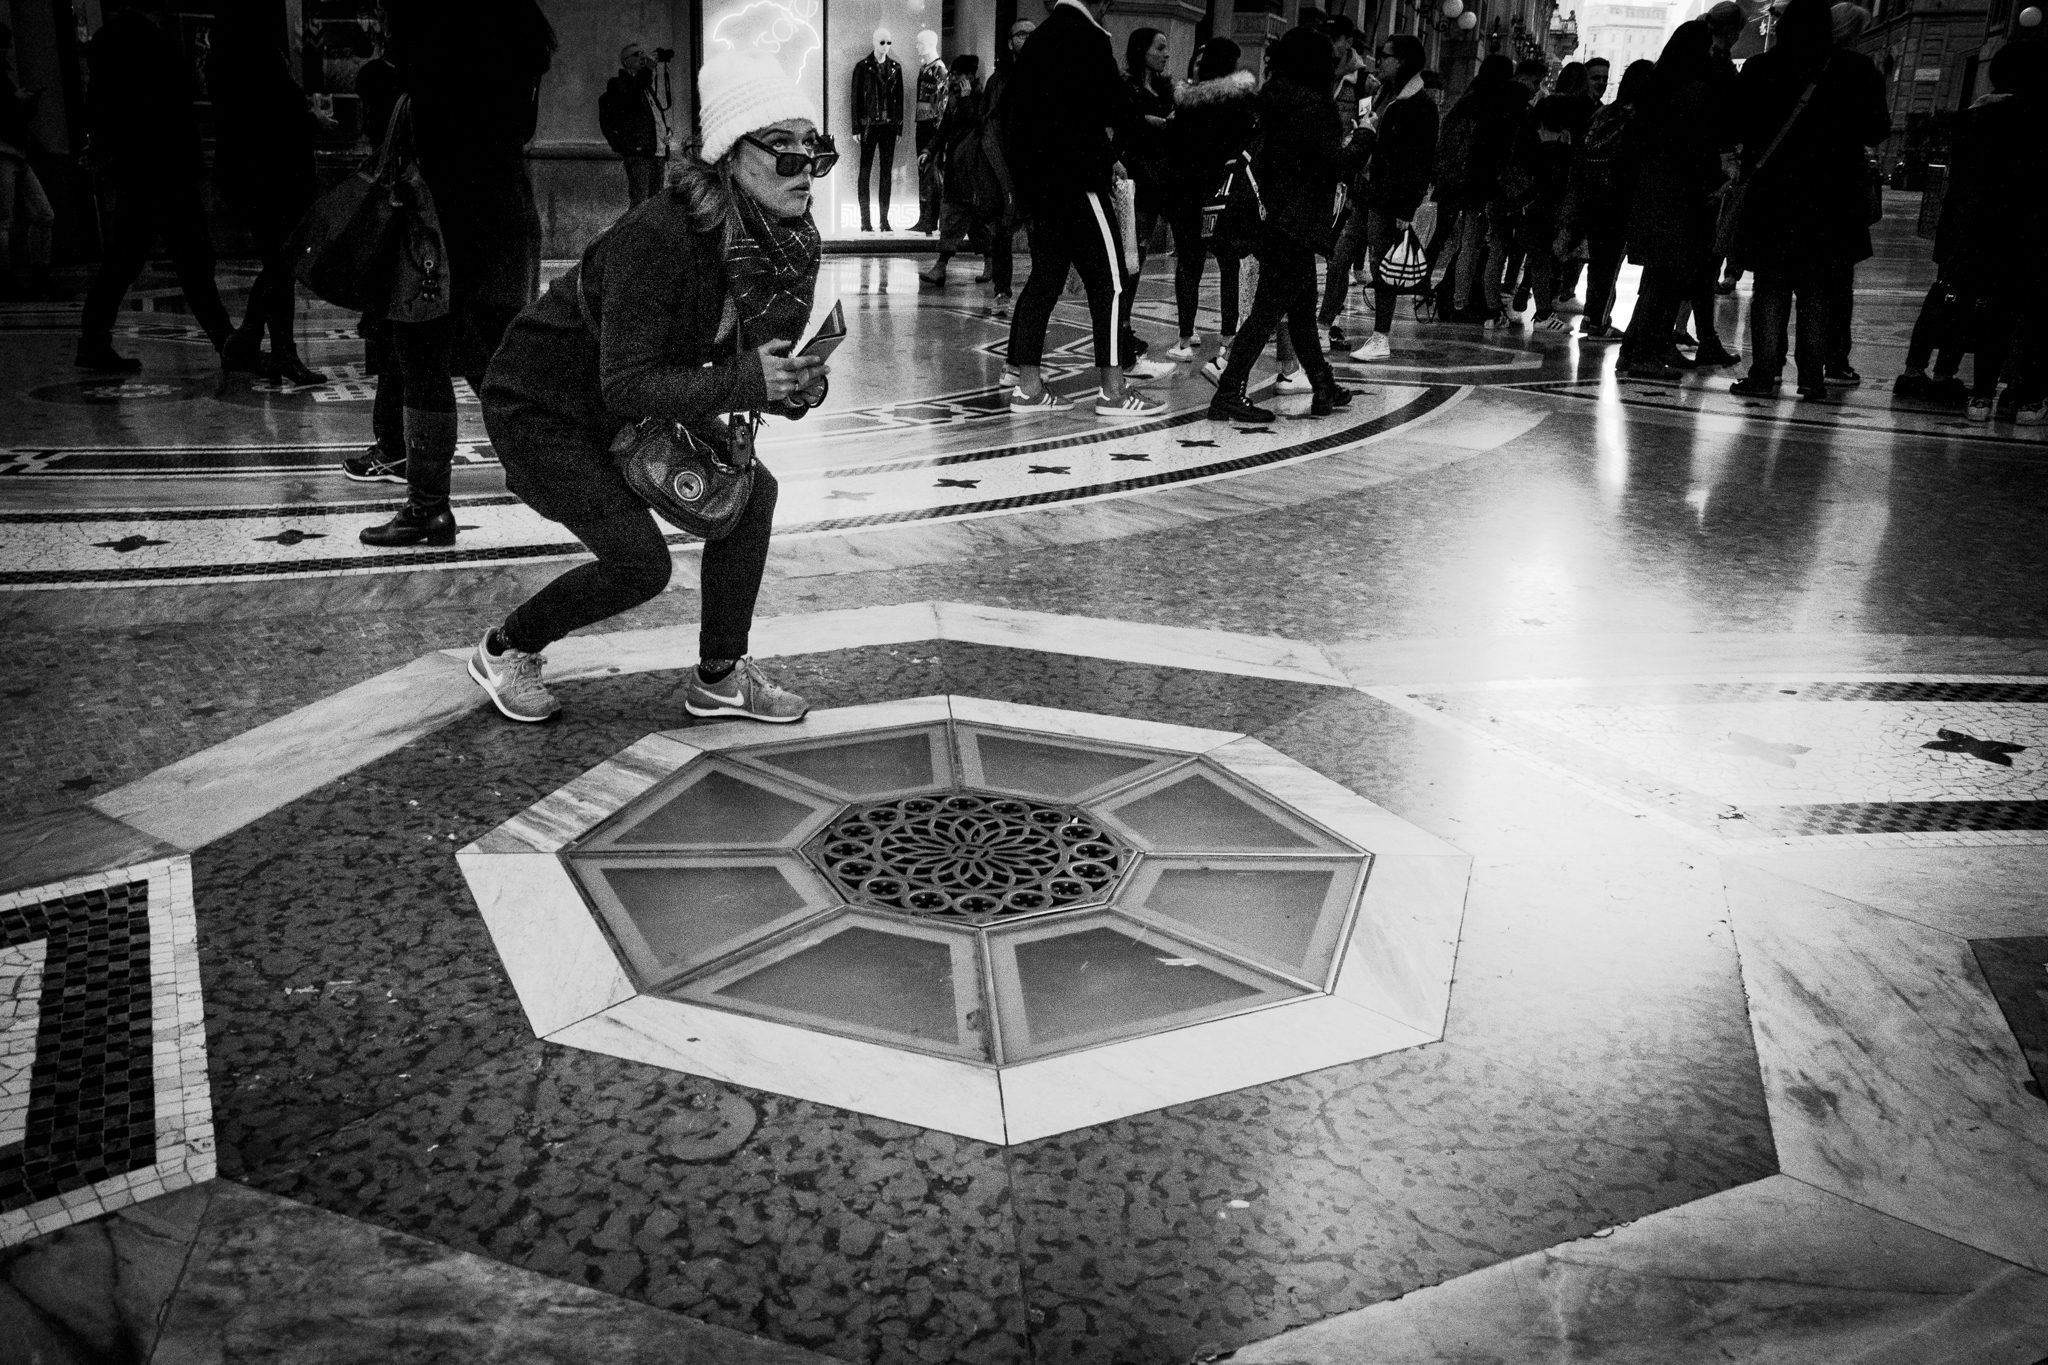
[1184, 349]
[1374, 347]
[1149, 371]
[1129, 408]
[1294, 381]
[1212, 370]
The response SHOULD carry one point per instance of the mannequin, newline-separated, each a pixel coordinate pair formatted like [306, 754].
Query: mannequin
[877, 119]
[933, 92]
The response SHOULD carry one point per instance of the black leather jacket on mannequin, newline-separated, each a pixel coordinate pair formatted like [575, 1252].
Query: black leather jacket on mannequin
[877, 96]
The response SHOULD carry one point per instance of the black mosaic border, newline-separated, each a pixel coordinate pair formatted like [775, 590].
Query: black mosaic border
[1898, 817]
[1702, 694]
[92, 1090]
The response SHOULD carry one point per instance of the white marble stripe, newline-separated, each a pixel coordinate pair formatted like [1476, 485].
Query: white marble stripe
[561, 964]
[21, 990]
[1775, 1271]
[1060, 1094]
[1890, 1072]
[218, 790]
[1404, 940]
[580, 805]
[847, 1073]
[1212, 651]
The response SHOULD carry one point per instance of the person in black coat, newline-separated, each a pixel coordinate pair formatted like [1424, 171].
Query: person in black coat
[472, 72]
[1682, 133]
[263, 167]
[682, 311]
[1302, 155]
[1400, 129]
[634, 119]
[145, 142]
[1143, 152]
[1473, 143]
[1213, 124]
[1603, 182]
[1805, 213]
[1065, 107]
[1848, 21]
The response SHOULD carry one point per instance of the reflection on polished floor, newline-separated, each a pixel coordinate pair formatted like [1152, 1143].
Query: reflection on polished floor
[1534, 867]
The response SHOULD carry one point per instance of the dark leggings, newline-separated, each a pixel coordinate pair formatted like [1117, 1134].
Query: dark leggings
[1604, 250]
[567, 477]
[1190, 255]
[1287, 286]
[424, 351]
[1937, 332]
[273, 299]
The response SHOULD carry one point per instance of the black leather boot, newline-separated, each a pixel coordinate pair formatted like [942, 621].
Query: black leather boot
[1231, 405]
[99, 354]
[414, 525]
[1329, 395]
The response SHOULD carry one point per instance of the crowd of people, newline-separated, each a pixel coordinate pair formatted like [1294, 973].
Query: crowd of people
[1527, 187]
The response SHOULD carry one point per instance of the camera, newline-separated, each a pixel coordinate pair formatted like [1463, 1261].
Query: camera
[664, 54]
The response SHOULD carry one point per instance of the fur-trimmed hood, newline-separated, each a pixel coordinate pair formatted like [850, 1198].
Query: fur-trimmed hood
[1238, 85]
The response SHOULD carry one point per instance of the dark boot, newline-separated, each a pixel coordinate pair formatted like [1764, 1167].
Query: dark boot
[1229, 404]
[1329, 395]
[414, 525]
[287, 367]
[98, 353]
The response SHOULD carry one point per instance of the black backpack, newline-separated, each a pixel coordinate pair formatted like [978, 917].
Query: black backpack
[1455, 147]
[1602, 159]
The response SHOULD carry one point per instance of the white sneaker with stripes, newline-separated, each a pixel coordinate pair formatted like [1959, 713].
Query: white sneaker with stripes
[1129, 408]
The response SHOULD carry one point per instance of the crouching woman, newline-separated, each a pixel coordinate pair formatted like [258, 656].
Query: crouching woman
[684, 310]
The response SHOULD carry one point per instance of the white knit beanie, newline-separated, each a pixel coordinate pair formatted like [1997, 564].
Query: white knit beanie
[741, 92]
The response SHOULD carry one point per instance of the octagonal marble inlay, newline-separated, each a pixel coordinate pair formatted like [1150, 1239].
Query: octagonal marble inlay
[994, 920]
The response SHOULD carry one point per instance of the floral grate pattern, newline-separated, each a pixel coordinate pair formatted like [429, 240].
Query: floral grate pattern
[970, 857]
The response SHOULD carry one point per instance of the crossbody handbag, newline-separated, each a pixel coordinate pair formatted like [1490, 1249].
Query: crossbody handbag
[1728, 222]
[697, 476]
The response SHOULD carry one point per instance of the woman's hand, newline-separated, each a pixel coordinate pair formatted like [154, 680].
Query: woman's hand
[783, 374]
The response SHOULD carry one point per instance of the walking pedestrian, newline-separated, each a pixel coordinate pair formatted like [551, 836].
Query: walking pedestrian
[1603, 184]
[145, 143]
[1473, 146]
[684, 310]
[1848, 20]
[1398, 131]
[1302, 155]
[1144, 150]
[24, 273]
[472, 70]
[1003, 230]
[1213, 124]
[971, 203]
[1067, 103]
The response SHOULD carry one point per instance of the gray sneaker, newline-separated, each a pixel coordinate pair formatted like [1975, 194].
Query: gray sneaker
[513, 680]
[747, 692]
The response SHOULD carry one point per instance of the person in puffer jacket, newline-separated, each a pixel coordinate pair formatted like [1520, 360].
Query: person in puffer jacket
[1301, 156]
[1213, 123]
[1401, 130]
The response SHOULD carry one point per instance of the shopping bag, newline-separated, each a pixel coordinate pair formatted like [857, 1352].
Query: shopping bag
[1124, 194]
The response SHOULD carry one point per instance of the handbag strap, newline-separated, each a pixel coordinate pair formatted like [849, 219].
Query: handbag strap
[1792, 117]
[396, 148]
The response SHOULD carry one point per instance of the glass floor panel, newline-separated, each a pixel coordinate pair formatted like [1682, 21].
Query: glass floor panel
[863, 768]
[1279, 914]
[1101, 980]
[719, 810]
[1196, 813]
[864, 978]
[1054, 771]
[686, 915]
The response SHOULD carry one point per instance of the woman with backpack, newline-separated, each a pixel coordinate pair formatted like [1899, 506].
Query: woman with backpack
[1300, 158]
[1596, 207]
[1213, 123]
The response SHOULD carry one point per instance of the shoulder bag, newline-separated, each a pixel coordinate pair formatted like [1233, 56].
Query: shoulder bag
[373, 243]
[697, 476]
[1728, 220]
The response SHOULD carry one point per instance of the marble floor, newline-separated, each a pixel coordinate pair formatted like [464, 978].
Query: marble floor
[1666, 769]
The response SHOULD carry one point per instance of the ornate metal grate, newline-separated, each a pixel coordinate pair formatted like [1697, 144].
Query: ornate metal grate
[969, 856]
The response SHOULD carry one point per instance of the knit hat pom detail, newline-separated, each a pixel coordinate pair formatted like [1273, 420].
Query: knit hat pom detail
[741, 92]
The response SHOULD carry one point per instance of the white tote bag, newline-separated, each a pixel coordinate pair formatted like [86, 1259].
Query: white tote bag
[1123, 196]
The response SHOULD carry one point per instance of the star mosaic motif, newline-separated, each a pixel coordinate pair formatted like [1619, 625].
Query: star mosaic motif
[1989, 750]
[127, 543]
[293, 536]
[1128, 456]
[959, 483]
[1190, 445]
[1051, 469]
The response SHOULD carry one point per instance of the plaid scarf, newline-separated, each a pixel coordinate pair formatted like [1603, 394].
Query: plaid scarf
[771, 267]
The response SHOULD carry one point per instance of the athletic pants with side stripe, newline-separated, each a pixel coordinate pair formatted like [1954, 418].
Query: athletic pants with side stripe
[1077, 230]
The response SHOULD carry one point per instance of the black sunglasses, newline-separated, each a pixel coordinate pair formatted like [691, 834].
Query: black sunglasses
[787, 164]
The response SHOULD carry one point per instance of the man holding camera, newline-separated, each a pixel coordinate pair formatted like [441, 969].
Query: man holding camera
[634, 119]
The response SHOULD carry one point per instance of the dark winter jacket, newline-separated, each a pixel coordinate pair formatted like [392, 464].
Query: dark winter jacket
[1603, 175]
[1677, 149]
[1808, 204]
[1213, 124]
[631, 331]
[1143, 153]
[140, 102]
[1994, 216]
[1066, 102]
[1474, 143]
[1403, 152]
[1301, 157]
[877, 96]
[974, 176]
[264, 149]
[626, 118]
